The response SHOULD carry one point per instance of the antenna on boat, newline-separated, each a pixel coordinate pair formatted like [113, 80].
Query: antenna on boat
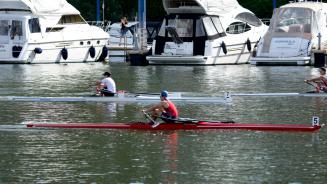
[103, 11]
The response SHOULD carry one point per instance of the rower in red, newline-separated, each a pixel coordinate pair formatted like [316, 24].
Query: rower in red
[165, 109]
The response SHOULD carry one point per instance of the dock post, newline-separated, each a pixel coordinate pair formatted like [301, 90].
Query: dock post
[138, 57]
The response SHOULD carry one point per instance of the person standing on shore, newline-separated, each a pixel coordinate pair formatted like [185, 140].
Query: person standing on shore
[123, 29]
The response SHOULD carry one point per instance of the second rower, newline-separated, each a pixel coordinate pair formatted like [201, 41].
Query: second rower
[107, 86]
[321, 81]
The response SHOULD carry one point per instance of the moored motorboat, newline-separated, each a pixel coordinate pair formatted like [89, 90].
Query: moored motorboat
[48, 31]
[206, 32]
[296, 31]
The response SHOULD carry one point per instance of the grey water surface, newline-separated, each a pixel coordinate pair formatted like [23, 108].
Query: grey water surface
[120, 156]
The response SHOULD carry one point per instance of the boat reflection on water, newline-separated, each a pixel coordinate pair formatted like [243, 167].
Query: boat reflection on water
[169, 175]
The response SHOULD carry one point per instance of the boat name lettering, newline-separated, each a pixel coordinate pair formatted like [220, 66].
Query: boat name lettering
[289, 42]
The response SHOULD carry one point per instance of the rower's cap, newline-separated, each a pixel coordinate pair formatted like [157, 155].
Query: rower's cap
[164, 94]
[107, 74]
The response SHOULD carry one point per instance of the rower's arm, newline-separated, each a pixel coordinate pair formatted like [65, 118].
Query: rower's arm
[157, 106]
[313, 79]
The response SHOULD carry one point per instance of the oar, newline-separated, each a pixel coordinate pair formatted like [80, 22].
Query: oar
[312, 86]
[154, 123]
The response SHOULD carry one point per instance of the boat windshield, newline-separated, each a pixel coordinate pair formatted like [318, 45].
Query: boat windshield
[187, 27]
[290, 28]
[292, 21]
[184, 27]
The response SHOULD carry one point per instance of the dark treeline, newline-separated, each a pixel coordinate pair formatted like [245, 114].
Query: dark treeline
[115, 9]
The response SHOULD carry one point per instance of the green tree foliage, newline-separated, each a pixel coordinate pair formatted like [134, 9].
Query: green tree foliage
[261, 8]
[115, 9]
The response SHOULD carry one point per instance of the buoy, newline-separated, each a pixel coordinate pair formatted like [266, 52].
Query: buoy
[92, 51]
[38, 50]
[64, 53]
[223, 46]
[248, 44]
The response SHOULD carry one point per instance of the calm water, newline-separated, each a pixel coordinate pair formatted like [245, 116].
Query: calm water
[115, 156]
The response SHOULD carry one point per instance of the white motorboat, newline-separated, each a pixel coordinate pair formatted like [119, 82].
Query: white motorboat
[293, 34]
[47, 31]
[206, 32]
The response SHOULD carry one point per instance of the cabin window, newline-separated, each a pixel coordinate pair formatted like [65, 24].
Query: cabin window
[184, 27]
[209, 26]
[237, 28]
[218, 26]
[34, 25]
[249, 18]
[71, 19]
[54, 29]
[4, 27]
[16, 28]
[199, 29]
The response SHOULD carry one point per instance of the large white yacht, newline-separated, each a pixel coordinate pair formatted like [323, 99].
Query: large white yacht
[293, 34]
[206, 32]
[47, 31]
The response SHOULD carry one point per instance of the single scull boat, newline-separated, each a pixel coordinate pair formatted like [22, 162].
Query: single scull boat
[280, 94]
[183, 125]
[128, 98]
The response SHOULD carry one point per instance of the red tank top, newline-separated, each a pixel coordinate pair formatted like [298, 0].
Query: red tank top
[172, 110]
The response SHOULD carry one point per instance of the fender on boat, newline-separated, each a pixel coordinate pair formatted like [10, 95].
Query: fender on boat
[64, 53]
[248, 44]
[38, 50]
[223, 46]
[104, 53]
[16, 51]
[92, 51]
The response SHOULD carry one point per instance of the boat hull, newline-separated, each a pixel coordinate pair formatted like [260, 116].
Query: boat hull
[239, 58]
[137, 99]
[273, 61]
[183, 126]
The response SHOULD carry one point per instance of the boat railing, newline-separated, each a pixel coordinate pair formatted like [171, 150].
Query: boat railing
[101, 24]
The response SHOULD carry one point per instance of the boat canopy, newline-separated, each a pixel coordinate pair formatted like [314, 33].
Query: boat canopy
[40, 7]
[216, 7]
[291, 22]
[50, 12]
